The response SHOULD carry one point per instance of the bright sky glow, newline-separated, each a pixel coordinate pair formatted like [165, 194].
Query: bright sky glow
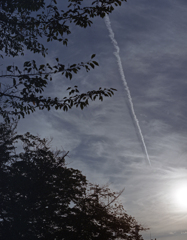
[180, 196]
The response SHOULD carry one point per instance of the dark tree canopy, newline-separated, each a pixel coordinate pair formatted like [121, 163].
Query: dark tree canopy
[30, 24]
[42, 198]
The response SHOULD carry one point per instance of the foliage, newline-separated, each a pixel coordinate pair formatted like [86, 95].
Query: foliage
[42, 198]
[30, 24]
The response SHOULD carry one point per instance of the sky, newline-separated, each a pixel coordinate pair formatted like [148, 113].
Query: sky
[104, 140]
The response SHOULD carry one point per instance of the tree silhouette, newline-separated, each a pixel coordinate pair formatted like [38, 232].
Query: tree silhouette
[42, 198]
[27, 25]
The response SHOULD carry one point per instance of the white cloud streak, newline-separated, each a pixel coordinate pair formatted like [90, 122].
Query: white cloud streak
[115, 44]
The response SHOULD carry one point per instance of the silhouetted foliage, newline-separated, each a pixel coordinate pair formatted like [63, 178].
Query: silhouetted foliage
[30, 24]
[42, 198]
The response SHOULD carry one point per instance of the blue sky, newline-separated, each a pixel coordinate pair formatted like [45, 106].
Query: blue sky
[103, 139]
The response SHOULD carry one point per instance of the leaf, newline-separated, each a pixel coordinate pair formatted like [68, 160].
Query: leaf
[73, 65]
[96, 63]
[65, 108]
[8, 68]
[70, 76]
[74, 70]
[92, 65]
[82, 105]
[41, 67]
[14, 81]
[114, 89]
[93, 55]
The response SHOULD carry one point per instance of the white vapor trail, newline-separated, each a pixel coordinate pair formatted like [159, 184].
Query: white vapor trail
[111, 35]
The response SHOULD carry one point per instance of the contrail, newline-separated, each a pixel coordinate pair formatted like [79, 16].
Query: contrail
[111, 35]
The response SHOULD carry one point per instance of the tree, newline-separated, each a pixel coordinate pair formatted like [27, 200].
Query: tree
[42, 198]
[30, 24]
